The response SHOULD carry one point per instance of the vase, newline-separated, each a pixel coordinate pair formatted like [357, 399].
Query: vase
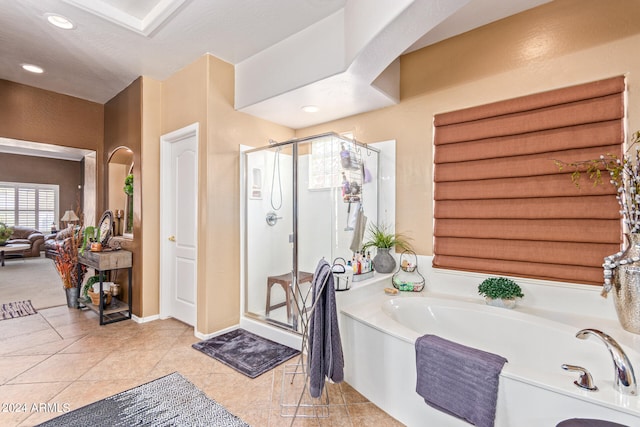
[626, 284]
[72, 297]
[501, 302]
[384, 262]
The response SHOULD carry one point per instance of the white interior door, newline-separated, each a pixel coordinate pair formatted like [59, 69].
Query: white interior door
[179, 230]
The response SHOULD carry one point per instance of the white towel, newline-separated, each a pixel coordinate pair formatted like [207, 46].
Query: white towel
[358, 231]
[353, 212]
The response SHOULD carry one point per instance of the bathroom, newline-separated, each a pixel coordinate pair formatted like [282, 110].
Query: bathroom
[410, 124]
[379, 330]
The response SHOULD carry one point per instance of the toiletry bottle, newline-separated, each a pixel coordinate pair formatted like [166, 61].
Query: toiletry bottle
[346, 187]
[345, 157]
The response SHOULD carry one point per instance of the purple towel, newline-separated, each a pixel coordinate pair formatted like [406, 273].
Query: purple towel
[458, 380]
[325, 358]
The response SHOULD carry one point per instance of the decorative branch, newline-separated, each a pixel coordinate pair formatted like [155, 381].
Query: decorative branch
[625, 177]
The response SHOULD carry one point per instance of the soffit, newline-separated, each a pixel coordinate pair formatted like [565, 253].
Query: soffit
[353, 42]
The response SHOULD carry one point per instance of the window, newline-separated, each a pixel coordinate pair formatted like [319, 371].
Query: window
[327, 161]
[29, 205]
[324, 163]
[501, 204]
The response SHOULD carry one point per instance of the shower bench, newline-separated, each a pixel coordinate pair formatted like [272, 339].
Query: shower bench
[285, 281]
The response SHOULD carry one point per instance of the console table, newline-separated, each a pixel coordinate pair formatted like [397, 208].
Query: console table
[101, 262]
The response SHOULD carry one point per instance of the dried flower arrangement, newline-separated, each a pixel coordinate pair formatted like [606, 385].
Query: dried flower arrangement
[66, 261]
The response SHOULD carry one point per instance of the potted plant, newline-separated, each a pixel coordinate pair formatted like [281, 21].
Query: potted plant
[89, 285]
[5, 233]
[381, 238]
[500, 291]
[91, 239]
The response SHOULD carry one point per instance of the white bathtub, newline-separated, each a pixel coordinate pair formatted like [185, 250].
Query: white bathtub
[379, 332]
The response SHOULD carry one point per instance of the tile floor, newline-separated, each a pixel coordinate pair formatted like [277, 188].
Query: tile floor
[61, 358]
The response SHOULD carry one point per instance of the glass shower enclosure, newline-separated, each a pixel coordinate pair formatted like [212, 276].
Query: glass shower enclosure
[302, 199]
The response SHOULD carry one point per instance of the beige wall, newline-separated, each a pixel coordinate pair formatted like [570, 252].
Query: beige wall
[203, 92]
[150, 177]
[563, 43]
[227, 130]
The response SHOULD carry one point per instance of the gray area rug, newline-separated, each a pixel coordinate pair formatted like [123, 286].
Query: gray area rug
[16, 309]
[168, 401]
[245, 352]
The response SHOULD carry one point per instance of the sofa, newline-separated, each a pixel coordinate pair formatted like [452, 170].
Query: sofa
[30, 236]
[53, 242]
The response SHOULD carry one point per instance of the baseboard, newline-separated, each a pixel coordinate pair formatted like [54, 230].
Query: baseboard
[215, 334]
[197, 334]
[145, 319]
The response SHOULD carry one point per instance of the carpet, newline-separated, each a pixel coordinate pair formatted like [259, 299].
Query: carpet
[16, 309]
[245, 352]
[168, 401]
[34, 279]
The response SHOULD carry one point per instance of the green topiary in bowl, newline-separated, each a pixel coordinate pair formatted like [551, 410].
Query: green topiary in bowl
[500, 288]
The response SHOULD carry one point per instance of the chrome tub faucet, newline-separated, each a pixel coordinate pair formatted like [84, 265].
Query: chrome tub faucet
[625, 379]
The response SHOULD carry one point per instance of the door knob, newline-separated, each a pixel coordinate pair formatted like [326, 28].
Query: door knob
[172, 238]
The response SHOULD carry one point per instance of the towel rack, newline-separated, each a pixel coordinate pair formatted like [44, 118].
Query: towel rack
[300, 407]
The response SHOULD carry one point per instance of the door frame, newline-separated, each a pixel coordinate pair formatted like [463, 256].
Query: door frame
[192, 130]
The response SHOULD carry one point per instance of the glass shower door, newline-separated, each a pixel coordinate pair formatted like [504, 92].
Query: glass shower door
[304, 201]
[269, 260]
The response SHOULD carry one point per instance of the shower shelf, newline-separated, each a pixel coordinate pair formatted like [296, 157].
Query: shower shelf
[363, 276]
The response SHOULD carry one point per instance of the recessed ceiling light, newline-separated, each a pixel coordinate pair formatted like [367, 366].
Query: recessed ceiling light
[310, 109]
[60, 21]
[33, 68]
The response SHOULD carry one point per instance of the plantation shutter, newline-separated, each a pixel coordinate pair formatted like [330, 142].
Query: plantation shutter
[502, 206]
[46, 208]
[7, 205]
[27, 207]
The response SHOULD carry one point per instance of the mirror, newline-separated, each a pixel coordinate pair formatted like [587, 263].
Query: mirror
[120, 190]
[105, 226]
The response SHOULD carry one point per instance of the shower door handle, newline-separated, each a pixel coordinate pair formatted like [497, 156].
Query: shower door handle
[172, 238]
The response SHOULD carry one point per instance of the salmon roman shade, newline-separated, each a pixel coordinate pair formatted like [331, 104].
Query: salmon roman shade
[501, 204]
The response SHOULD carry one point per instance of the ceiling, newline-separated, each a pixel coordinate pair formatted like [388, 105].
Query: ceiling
[338, 55]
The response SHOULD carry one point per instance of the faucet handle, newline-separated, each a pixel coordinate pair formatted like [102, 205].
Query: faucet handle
[585, 380]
